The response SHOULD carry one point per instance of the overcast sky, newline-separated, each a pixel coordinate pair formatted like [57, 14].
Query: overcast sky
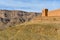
[29, 5]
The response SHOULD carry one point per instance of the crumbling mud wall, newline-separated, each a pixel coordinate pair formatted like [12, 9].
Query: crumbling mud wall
[45, 12]
[54, 13]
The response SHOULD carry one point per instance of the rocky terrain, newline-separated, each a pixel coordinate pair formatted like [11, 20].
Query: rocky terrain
[11, 17]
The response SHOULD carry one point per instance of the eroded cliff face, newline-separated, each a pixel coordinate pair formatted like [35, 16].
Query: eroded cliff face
[11, 17]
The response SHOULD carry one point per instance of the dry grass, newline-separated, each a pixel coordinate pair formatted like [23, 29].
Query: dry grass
[33, 30]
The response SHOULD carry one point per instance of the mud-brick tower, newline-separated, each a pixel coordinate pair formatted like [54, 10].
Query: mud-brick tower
[45, 12]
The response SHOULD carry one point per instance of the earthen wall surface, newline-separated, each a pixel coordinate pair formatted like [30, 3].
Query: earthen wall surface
[51, 13]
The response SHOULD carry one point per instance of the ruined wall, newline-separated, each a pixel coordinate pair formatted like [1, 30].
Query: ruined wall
[54, 13]
[45, 12]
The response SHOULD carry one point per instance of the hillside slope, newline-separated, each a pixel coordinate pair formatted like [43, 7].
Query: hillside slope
[12, 17]
[33, 30]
